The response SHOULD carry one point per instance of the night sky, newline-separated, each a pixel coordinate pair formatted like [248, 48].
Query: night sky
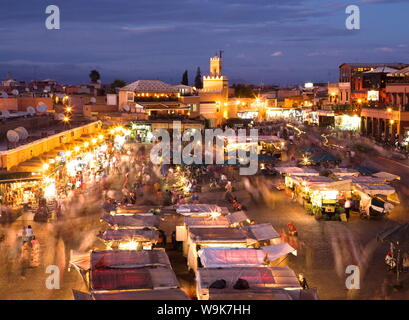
[265, 41]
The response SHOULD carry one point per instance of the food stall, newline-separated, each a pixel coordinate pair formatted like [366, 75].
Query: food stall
[297, 171]
[327, 199]
[214, 238]
[376, 200]
[256, 277]
[130, 239]
[122, 270]
[136, 221]
[344, 172]
[243, 257]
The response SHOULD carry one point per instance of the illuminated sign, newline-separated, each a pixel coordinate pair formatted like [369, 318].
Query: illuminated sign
[373, 95]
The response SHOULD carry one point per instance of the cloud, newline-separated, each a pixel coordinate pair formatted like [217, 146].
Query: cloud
[146, 29]
[385, 49]
[277, 54]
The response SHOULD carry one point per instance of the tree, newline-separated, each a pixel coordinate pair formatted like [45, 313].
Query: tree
[185, 78]
[94, 76]
[244, 90]
[117, 84]
[198, 79]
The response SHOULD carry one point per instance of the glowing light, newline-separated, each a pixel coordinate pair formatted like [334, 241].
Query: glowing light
[68, 153]
[66, 119]
[389, 109]
[77, 149]
[68, 109]
[58, 158]
[94, 141]
[50, 191]
[86, 144]
[359, 100]
[214, 214]
[46, 166]
[101, 137]
[104, 148]
[130, 245]
[391, 121]
[52, 161]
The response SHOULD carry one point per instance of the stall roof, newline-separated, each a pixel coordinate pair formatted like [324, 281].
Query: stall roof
[277, 251]
[263, 231]
[138, 235]
[378, 189]
[257, 277]
[193, 209]
[312, 180]
[237, 217]
[231, 257]
[218, 235]
[164, 294]
[386, 176]
[219, 221]
[297, 171]
[344, 172]
[119, 259]
[363, 179]
[134, 221]
[343, 185]
[133, 279]
[249, 294]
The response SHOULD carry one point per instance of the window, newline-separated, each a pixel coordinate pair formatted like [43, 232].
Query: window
[130, 96]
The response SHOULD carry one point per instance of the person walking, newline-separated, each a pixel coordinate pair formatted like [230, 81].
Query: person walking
[347, 207]
[303, 281]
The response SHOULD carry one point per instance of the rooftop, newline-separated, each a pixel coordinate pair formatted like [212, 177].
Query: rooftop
[150, 86]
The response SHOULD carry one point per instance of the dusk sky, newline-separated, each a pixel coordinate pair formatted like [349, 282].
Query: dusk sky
[265, 41]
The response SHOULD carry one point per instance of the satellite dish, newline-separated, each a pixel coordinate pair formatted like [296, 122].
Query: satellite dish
[42, 108]
[12, 136]
[15, 92]
[93, 100]
[31, 110]
[127, 108]
[60, 116]
[22, 133]
[4, 95]
[5, 113]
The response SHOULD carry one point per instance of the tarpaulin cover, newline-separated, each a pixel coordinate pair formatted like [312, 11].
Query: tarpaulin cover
[311, 180]
[296, 171]
[371, 189]
[249, 294]
[343, 185]
[164, 294]
[80, 260]
[231, 257]
[219, 221]
[135, 221]
[344, 172]
[120, 259]
[121, 279]
[133, 279]
[263, 231]
[386, 176]
[256, 276]
[364, 180]
[237, 217]
[78, 295]
[190, 209]
[139, 235]
[218, 235]
[277, 251]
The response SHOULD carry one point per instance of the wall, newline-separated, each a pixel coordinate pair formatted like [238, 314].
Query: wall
[14, 157]
[8, 104]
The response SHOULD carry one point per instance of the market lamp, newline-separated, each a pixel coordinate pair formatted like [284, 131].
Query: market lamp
[46, 166]
[94, 141]
[86, 144]
[77, 149]
[101, 137]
